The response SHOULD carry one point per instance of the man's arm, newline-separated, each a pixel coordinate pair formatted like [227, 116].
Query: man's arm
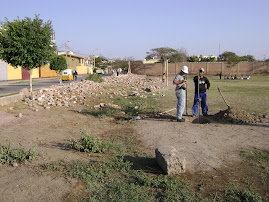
[179, 82]
[207, 84]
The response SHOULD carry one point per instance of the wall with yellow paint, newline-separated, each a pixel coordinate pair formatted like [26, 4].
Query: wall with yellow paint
[82, 69]
[13, 73]
[47, 72]
[35, 73]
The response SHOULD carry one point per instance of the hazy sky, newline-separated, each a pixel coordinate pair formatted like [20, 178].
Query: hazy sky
[124, 28]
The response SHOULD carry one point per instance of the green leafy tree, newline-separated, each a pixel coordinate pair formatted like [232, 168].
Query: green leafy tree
[249, 58]
[26, 43]
[163, 52]
[102, 62]
[120, 64]
[179, 56]
[230, 58]
[58, 63]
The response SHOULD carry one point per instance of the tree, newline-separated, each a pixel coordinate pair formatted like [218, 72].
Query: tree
[179, 56]
[120, 64]
[230, 58]
[249, 58]
[101, 62]
[58, 63]
[26, 43]
[163, 52]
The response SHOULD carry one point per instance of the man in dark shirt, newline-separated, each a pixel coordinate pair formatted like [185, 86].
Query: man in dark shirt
[203, 87]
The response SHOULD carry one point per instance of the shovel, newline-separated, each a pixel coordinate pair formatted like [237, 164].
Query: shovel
[223, 98]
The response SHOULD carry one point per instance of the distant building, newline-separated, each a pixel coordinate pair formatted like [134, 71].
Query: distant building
[75, 62]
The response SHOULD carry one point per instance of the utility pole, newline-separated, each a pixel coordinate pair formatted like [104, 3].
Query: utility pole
[166, 62]
[66, 53]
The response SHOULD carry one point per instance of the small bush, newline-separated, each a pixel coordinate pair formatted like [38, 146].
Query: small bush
[87, 143]
[95, 77]
[10, 155]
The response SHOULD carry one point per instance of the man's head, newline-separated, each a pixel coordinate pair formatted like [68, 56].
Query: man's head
[201, 71]
[185, 69]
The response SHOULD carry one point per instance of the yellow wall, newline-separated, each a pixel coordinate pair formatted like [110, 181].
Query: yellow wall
[13, 73]
[82, 69]
[47, 72]
[35, 73]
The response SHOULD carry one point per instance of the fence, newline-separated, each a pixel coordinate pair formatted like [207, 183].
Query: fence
[213, 68]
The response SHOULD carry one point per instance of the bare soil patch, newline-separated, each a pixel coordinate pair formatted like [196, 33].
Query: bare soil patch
[205, 146]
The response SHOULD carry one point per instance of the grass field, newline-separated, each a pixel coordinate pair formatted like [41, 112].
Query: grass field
[249, 95]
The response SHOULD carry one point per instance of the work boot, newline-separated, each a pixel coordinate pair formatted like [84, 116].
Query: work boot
[181, 120]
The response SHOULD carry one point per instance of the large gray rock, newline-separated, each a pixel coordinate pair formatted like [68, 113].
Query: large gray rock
[170, 160]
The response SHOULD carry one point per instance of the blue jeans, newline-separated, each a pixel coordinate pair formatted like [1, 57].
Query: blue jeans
[204, 105]
[181, 99]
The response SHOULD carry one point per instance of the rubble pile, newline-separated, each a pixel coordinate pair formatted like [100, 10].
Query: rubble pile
[138, 84]
[67, 95]
[77, 92]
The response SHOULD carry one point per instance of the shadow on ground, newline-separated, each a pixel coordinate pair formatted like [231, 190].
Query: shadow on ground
[146, 164]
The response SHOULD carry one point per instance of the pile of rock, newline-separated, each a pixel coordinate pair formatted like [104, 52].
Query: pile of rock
[67, 95]
[77, 92]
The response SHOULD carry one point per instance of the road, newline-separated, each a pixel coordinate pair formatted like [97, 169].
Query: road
[13, 87]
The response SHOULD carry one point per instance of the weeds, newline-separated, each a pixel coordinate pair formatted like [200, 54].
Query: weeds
[115, 180]
[129, 107]
[95, 77]
[10, 155]
[235, 194]
[87, 143]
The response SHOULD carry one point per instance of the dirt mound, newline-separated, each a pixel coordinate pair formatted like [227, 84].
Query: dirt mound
[237, 116]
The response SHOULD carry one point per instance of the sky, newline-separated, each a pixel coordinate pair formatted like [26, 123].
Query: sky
[131, 28]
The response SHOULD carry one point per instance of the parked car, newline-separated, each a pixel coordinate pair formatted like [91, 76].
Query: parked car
[99, 71]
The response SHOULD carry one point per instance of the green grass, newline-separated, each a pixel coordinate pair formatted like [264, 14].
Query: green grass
[235, 194]
[249, 95]
[259, 155]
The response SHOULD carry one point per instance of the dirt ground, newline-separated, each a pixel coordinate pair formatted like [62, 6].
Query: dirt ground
[205, 147]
